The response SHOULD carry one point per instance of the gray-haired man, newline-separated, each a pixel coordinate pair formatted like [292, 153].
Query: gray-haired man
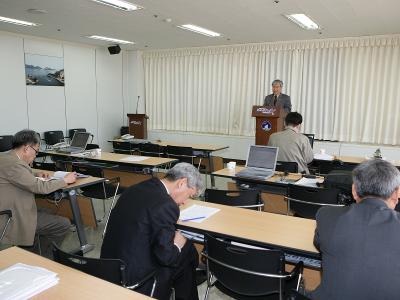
[360, 244]
[278, 99]
[141, 231]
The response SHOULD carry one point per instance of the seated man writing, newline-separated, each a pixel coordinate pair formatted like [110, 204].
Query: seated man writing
[18, 186]
[141, 231]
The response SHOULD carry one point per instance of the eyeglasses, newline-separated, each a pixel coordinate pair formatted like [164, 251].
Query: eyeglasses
[36, 151]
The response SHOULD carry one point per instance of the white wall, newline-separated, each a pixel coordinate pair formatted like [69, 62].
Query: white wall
[97, 88]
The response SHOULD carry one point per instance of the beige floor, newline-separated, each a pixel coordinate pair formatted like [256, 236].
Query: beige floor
[94, 236]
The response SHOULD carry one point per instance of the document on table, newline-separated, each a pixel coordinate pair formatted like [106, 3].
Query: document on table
[311, 182]
[61, 175]
[324, 156]
[197, 213]
[134, 158]
[22, 281]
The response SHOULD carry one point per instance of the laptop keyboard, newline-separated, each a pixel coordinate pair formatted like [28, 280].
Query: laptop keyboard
[258, 174]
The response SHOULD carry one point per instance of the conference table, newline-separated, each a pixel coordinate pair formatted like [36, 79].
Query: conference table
[73, 284]
[205, 150]
[71, 190]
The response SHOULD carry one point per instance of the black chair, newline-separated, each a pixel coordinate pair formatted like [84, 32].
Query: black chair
[248, 273]
[92, 146]
[53, 137]
[311, 137]
[122, 147]
[325, 167]
[8, 214]
[150, 149]
[183, 154]
[250, 199]
[71, 132]
[44, 166]
[124, 130]
[5, 142]
[111, 270]
[294, 295]
[305, 201]
[104, 191]
[287, 166]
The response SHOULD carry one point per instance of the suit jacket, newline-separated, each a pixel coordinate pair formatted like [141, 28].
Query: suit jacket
[360, 247]
[141, 230]
[282, 102]
[18, 185]
[293, 147]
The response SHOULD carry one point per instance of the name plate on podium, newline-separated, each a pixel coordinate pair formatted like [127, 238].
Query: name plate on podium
[269, 119]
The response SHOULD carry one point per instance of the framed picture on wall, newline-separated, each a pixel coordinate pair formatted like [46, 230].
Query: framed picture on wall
[42, 70]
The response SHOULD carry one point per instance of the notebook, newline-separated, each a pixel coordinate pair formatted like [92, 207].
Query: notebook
[78, 143]
[260, 163]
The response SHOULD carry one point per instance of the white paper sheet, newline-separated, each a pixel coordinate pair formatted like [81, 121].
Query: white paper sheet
[325, 156]
[134, 158]
[311, 182]
[197, 213]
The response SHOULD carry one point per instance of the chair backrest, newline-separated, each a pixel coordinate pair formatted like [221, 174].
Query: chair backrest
[5, 142]
[310, 138]
[44, 166]
[112, 270]
[325, 167]
[92, 146]
[240, 198]
[122, 147]
[7, 218]
[88, 170]
[53, 137]
[183, 154]
[315, 198]
[287, 166]
[223, 257]
[71, 132]
[150, 149]
[124, 130]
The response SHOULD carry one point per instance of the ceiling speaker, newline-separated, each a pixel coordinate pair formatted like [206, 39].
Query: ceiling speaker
[116, 49]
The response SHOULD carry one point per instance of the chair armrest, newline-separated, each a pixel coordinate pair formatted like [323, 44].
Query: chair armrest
[149, 276]
[7, 212]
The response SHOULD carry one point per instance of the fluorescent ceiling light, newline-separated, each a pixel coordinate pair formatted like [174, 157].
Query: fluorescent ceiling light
[17, 22]
[120, 4]
[200, 30]
[108, 39]
[303, 21]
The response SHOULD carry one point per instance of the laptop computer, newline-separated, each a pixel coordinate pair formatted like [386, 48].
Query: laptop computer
[78, 143]
[260, 163]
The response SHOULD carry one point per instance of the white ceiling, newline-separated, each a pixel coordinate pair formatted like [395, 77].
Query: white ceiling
[240, 21]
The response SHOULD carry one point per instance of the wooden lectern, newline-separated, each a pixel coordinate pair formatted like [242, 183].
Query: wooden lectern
[138, 125]
[269, 119]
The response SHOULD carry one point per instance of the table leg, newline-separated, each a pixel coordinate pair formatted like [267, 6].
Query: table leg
[211, 167]
[84, 246]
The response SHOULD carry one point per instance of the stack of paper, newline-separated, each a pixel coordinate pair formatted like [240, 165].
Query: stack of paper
[22, 281]
[61, 175]
[134, 158]
[197, 213]
[324, 156]
[311, 182]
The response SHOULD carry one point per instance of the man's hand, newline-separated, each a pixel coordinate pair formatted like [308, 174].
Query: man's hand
[179, 239]
[43, 175]
[70, 178]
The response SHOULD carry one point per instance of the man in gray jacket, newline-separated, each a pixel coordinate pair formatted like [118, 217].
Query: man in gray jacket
[293, 146]
[18, 186]
[278, 99]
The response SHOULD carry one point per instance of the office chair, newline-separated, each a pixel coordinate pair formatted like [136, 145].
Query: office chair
[44, 166]
[71, 132]
[104, 191]
[124, 130]
[287, 166]
[311, 138]
[248, 273]
[305, 201]
[325, 167]
[150, 149]
[5, 142]
[250, 199]
[53, 137]
[8, 214]
[111, 270]
[122, 147]
[92, 146]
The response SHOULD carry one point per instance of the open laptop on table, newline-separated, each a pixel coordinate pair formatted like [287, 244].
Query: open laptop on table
[260, 163]
[78, 143]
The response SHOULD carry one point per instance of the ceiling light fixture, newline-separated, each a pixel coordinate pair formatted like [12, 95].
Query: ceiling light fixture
[200, 30]
[303, 21]
[17, 22]
[108, 39]
[120, 4]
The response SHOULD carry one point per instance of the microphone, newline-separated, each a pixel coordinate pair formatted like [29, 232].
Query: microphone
[137, 103]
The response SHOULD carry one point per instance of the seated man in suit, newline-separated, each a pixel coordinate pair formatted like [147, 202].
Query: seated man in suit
[18, 185]
[360, 244]
[278, 99]
[293, 146]
[141, 231]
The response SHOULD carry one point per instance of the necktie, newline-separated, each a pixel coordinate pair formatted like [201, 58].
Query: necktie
[275, 100]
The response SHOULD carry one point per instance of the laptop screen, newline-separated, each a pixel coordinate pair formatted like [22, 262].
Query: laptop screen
[262, 157]
[80, 139]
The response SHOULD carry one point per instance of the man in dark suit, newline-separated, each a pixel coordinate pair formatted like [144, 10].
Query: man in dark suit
[360, 244]
[141, 231]
[278, 99]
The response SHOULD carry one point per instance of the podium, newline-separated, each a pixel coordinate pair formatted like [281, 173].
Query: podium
[269, 119]
[138, 125]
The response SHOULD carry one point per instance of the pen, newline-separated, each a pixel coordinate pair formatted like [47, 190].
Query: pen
[192, 219]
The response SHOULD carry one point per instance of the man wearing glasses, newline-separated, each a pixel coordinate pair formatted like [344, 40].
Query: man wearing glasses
[18, 186]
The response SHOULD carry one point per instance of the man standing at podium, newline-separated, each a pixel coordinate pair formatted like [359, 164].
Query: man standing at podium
[278, 99]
